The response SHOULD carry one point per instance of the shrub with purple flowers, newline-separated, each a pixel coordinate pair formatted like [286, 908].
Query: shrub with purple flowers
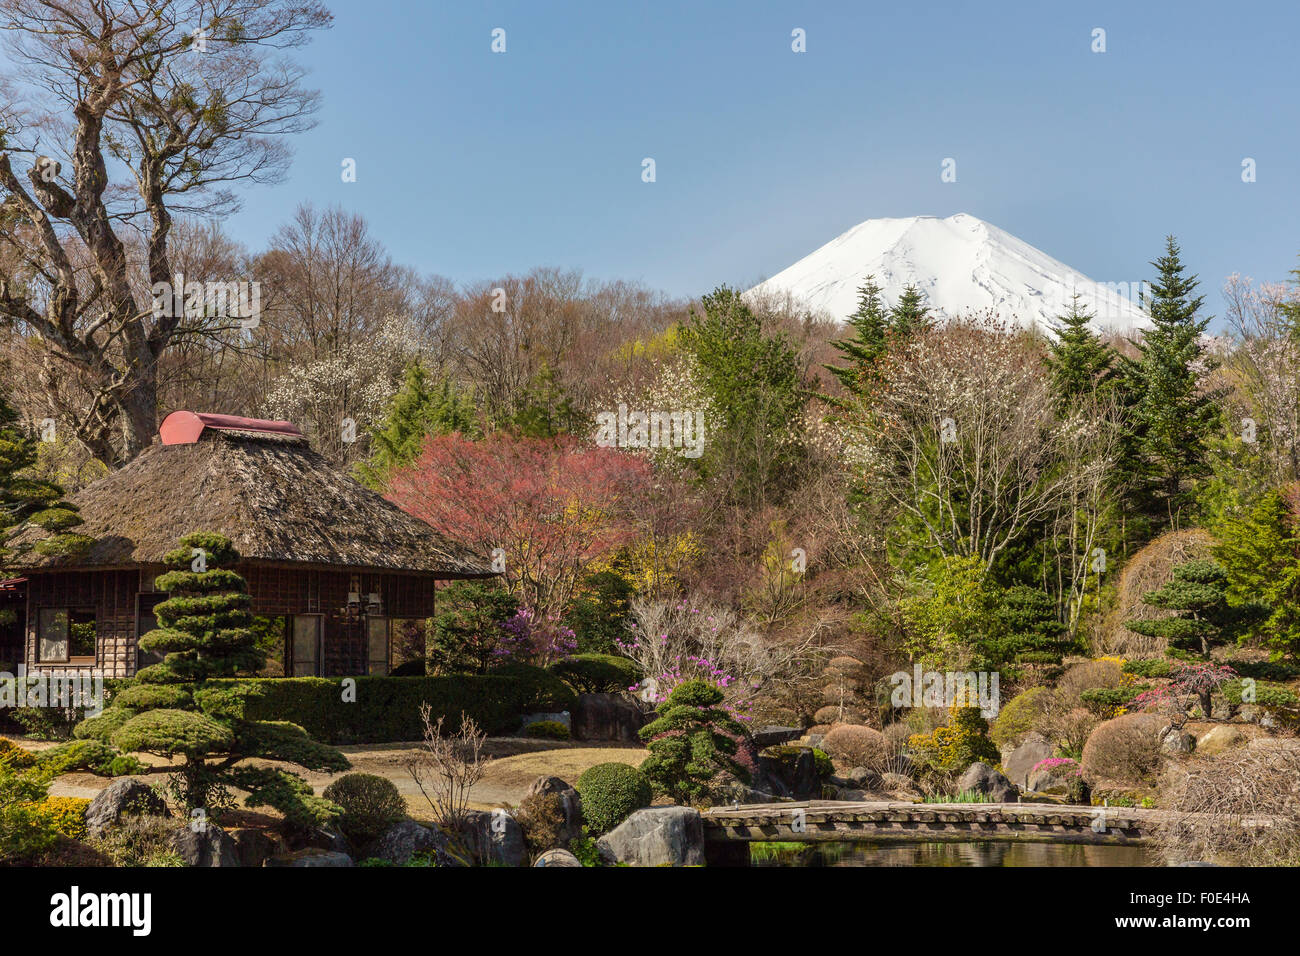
[535, 639]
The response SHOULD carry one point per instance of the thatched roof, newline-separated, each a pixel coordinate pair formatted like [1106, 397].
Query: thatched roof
[274, 497]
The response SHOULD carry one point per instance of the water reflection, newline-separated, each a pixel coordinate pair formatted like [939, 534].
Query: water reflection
[986, 853]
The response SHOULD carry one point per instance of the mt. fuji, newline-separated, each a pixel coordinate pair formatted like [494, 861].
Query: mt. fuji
[961, 263]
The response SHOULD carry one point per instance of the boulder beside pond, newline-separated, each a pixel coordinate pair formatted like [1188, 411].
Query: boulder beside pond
[658, 836]
[1020, 763]
[981, 778]
[557, 857]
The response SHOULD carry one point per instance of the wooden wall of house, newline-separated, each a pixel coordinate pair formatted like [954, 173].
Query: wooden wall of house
[277, 591]
[111, 593]
[285, 591]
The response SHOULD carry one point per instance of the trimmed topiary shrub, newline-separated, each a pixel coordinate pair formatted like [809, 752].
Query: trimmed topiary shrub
[371, 804]
[1124, 751]
[693, 745]
[597, 673]
[850, 745]
[611, 792]
[1018, 718]
[547, 730]
[1149, 667]
[205, 635]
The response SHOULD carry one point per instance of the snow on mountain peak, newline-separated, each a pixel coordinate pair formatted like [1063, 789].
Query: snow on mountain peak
[961, 263]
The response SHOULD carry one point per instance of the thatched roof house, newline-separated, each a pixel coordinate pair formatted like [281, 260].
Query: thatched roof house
[338, 562]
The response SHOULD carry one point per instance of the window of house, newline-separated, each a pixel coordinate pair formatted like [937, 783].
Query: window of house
[65, 635]
[377, 644]
[306, 645]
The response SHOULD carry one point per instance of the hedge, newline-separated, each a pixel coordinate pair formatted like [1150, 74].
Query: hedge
[387, 709]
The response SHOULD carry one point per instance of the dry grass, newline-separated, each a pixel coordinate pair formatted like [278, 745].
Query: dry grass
[1241, 808]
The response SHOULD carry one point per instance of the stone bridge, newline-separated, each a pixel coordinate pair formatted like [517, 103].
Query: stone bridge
[729, 830]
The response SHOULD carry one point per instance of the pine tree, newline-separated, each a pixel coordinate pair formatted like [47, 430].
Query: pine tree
[420, 408]
[1260, 553]
[26, 499]
[693, 745]
[910, 316]
[870, 326]
[180, 707]
[1203, 619]
[1172, 417]
[1079, 363]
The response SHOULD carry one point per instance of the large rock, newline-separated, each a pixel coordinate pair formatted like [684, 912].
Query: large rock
[128, 796]
[569, 800]
[1021, 761]
[403, 840]
[1046, 781]
[255, 846]
[659, 836]
[982, 778]
[1176, 741]
[557, 857]
[1223, 737]
[495, 837]
[772, 735]
[311, 856]
[209, 846]
[608, 717]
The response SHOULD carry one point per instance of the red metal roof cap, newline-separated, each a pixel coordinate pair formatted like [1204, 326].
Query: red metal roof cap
[184, 428]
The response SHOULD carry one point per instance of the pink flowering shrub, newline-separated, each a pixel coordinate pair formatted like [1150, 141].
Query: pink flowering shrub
[532, 639]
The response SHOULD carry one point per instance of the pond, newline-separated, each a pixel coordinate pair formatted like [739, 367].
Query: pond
[975, 853]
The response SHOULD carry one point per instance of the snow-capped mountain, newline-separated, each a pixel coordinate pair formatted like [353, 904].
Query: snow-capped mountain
[961, 263]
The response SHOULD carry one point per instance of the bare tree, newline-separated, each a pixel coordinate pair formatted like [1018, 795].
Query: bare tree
[446, 768]
[1265, 361]
[153, 109]
[962, 440]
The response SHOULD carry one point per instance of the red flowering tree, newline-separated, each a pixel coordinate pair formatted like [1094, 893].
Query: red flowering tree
[554, 506]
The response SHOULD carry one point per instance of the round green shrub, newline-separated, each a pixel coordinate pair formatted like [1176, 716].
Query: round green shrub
[1018, 717]
[371, 804]
[547, 730]
[610, 793]
[597, 673]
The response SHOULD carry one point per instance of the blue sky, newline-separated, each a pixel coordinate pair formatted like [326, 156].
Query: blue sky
[473, 164]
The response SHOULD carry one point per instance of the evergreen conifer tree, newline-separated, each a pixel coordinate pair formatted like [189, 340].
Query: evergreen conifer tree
[421, 407]
[870, 326]
[1203, 618]
[181, 707]
[1260, 552]
[1078, 361]
[910, 316]
[1171, 416]
[27, 499]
